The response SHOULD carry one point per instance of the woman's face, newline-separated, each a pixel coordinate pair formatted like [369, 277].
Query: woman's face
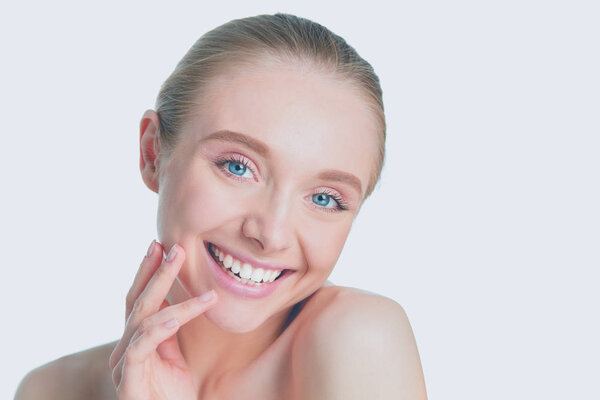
[263, 169]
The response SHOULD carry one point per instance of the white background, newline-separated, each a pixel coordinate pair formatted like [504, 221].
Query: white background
[485, 226]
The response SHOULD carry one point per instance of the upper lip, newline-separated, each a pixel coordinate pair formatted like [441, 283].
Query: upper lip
[245, 259]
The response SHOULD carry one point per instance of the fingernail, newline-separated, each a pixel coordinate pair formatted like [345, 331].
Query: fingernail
[172, 253]
[206, 297]
[150, 249]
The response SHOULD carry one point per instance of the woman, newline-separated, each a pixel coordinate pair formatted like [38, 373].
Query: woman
[266, 140]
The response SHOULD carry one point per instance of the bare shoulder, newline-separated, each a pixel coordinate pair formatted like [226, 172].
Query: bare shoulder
[82, 375]
[358, 345]
[366, 313]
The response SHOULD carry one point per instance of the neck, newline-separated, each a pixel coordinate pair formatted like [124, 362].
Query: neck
[212, 353]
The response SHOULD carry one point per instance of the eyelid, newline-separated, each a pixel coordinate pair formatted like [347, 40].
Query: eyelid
[237, 158]
[335, 196]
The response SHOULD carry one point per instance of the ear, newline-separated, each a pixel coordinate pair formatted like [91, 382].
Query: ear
[150, 149]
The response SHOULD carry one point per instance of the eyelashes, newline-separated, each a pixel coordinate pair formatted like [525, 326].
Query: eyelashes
[223, 161]
[234, 158]
[341, 204]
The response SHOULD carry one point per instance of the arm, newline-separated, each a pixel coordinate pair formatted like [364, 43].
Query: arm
[361, 347]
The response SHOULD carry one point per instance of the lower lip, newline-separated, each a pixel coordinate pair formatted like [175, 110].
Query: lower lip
[239, 288]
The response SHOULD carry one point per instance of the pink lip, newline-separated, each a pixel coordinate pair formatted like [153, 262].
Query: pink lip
[230, 284]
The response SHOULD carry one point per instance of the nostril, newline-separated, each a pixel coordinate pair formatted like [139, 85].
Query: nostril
[259, 243]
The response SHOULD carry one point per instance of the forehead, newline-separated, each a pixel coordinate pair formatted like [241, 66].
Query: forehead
[309, 119]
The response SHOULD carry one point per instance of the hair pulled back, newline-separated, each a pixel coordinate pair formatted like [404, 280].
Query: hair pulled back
[244, 40]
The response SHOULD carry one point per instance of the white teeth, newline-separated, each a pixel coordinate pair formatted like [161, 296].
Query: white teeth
[235, 267]
[246, 271]
[237, 278]
[274, 275]
[248, 274]
[266, 275]
[228, 261]
[257, 275]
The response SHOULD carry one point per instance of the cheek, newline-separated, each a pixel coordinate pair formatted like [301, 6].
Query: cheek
[196, 204]
[323, 245]
[191, 205]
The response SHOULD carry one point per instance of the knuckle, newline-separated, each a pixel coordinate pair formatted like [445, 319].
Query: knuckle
[141, 306]
[145, 325]
[150, 334]
[162, 272]
[189, 305]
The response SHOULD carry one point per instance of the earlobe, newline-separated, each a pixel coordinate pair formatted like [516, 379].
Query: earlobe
[150, 149]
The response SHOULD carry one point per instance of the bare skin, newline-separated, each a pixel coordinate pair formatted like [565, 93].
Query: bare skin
[86, 375]
[295, 342]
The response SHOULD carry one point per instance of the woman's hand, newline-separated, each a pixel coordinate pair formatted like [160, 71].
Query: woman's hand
[147, 363]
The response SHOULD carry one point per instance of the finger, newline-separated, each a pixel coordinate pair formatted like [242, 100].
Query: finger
[157, 288]
[147, 268]
[119, 349]
[170, 351]
[118, 353]
[153, 334]
[117, 372]
[165, 324]
[146, 344]
[182, 312]
[151, 298]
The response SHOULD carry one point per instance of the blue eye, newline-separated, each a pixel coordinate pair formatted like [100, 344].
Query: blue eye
[329, 201]
[237, 168]
[321, 199]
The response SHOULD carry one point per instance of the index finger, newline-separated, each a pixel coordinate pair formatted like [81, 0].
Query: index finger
[157, 288]
[147, 268]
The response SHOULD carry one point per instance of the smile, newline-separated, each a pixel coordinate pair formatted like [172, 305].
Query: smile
[243, 271]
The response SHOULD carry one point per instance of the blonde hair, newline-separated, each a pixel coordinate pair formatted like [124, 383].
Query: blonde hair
[242, 40]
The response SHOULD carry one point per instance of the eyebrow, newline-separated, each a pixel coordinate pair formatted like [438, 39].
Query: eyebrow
[263, 150]
[339, 176]
[235, 137]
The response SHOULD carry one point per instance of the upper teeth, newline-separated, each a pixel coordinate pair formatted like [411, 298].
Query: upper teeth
[246, 270]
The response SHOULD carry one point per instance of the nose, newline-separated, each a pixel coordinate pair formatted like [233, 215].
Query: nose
[269, 224]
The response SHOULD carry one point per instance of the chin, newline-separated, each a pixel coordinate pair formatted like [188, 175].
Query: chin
[232, 321]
